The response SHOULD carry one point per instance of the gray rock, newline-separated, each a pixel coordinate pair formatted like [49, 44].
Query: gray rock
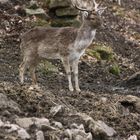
[65, 22]
[97, 128]
[8, 103]
[58, 3]
[133, 137]
[39, 12]
[39, 135]
[77, 134]
[66, 12]
[57, 125]
[57, 109]
[39, 122]
[11, 127]
[100, 126]
[24, 122]
[1, 123]
[22, 133]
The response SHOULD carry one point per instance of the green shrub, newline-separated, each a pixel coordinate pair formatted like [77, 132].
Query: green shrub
[115, 70]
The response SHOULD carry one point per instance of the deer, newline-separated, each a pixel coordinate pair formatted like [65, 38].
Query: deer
[65, 43]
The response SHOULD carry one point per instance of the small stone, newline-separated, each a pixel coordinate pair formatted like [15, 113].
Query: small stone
[58, 125]
[55, 110]
[133, 137]
[39, 135]
[1, 123]
[48, 128]
[80, 127]
[39, 122]
[103, 99]
[22, 133]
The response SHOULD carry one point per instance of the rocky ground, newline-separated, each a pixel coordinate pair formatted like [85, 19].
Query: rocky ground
[108, 107]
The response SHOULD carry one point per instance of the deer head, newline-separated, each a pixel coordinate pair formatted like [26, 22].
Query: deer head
[91, 10]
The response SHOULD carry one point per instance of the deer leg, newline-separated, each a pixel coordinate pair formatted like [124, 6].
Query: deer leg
[22, 69]
[33, 75]
[75, 71]
[68, 72]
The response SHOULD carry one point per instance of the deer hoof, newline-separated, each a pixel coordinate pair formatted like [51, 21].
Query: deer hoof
[71, 89]
[78, 90]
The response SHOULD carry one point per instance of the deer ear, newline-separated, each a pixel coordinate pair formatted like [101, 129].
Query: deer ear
[101, 10]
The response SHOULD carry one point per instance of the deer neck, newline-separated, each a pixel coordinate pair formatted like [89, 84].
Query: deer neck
[86, 34]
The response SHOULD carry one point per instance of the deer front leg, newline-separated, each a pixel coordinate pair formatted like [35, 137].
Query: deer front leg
[68, 72]
[33, 75]
[22, 69]
[75, 71]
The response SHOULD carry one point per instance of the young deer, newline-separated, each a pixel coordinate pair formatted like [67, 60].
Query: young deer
[67, 44]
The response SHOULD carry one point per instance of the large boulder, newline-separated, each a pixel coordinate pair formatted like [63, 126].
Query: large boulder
[65, 22]
[58, 3]
[66, 12]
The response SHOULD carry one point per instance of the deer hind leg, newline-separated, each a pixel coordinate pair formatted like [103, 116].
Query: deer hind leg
[68, 72]
[22, 68]
[75, 71]
[33, 75]
[34, 85]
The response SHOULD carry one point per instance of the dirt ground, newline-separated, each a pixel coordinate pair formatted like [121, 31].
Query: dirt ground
[120, 32]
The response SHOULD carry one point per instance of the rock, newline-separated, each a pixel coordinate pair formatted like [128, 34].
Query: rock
[58, 3]
[27, 122]
[104, 100]
[1, 123]
[133, 137]
[39, 135]
[8, 103]
[39, 122]
[39, 12]
[55, 110]
[97, 128]
[24, 122]
[101, 127]
[22, 133]
[48, 128]
[77, 134]
[57, 125]
[65, 22]
[66, 12]
[11, 127]
[80, 127]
